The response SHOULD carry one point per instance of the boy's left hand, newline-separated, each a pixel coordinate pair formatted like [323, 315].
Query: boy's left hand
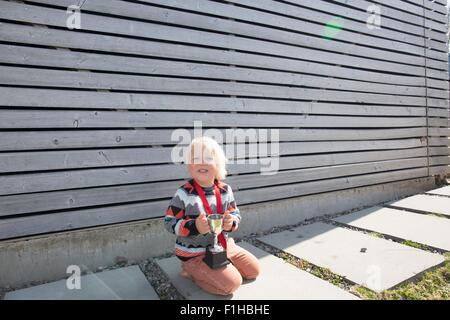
[227, 221]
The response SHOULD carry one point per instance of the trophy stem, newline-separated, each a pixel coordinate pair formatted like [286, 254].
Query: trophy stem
[216, 241]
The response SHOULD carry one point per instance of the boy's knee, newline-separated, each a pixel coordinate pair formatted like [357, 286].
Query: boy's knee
[252, 271]
[231, 285]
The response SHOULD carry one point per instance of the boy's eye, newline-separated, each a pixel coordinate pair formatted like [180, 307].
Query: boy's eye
[206, 159]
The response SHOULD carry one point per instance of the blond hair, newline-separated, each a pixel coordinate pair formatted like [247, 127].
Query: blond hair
[206, 143]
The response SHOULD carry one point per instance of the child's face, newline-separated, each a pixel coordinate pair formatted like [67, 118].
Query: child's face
[203, 168]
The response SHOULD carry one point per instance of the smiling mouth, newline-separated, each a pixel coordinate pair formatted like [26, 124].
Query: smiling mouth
[203, 170]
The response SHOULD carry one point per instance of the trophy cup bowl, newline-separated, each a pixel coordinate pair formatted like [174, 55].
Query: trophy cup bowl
[216, 256]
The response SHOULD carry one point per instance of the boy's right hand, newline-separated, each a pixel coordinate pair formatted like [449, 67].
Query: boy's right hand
[202, 223]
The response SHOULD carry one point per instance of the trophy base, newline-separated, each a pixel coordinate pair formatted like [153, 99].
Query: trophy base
[216, 260]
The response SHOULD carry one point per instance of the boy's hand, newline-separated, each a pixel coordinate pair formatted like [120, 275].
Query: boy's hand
[227, 221]
[202, 223]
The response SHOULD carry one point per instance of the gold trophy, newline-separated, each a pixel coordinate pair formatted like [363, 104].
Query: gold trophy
[216, 256]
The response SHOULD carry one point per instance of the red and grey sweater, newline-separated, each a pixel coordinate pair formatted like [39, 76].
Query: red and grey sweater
[185, 207]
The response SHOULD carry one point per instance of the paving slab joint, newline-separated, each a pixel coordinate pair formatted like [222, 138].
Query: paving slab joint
[159, 280]
[426, 213]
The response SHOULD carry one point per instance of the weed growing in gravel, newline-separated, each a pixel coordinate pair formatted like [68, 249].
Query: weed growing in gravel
[415, 245]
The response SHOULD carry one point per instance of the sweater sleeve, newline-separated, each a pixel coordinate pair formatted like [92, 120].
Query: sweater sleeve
[175, 220]
[233, 210]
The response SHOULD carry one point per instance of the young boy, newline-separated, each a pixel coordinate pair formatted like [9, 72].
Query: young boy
[186, 217]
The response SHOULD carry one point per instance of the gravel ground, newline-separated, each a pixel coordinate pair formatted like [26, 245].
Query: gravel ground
[159, 281]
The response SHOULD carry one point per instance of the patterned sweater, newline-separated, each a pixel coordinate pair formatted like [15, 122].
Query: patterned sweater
[185, 207]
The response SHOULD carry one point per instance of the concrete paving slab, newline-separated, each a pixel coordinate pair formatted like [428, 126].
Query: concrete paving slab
[125, 283]
[375, 263]
[444, 191]
[278, 280]
[424, 202]
[430, 230]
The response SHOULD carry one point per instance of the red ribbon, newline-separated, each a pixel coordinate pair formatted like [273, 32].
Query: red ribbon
[201, 193]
